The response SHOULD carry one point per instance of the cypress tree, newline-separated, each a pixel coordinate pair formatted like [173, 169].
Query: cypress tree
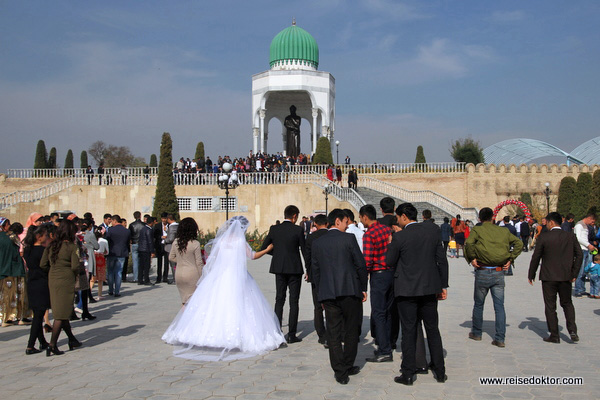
[165, 199]
[526, 199]
[566, 195]
[323, 153]
[41, 156]
[69, 160]
[84, 159]
[199, 151]
[582, 195]
[52, 158]
[153, 162]
[420, 157]
[595, 192]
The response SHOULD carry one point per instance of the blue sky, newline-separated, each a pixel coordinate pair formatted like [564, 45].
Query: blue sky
[408, 73]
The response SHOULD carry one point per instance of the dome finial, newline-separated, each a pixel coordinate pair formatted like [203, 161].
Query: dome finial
[293, 21]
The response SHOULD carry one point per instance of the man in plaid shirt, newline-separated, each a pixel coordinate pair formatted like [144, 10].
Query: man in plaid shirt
[375, 242]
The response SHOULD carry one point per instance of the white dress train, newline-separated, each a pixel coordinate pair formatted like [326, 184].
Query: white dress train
[227, 317]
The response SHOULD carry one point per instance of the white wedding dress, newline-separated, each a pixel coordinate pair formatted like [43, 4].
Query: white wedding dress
[227, 317]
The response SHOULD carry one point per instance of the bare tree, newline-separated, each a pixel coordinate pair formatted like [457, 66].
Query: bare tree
[98, 150]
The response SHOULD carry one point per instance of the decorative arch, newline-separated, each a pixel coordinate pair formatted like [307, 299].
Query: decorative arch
[521, 205]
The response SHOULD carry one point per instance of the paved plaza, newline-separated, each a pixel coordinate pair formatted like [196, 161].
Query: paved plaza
[123, 356]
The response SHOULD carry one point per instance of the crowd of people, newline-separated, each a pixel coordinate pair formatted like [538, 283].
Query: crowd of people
[188, 171]
[54, 262]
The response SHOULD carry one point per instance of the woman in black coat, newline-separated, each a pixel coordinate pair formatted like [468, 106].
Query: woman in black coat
[37, 285]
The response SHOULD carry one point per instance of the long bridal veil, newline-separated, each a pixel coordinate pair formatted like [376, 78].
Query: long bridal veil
[227, 317]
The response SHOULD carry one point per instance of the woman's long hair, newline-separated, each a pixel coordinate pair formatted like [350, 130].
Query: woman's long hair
[186, 231]
[65, 233]
[32, 235]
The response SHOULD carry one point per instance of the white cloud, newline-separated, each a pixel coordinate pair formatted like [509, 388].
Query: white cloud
[124, 96]
[508, 16]
[438, 60]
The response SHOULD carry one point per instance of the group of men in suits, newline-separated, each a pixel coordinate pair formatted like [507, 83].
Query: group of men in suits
[337, 271]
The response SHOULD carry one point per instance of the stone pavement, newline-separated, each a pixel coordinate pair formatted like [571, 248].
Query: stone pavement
[123, 357]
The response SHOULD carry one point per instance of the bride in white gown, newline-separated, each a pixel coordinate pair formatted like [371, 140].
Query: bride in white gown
[227, 317]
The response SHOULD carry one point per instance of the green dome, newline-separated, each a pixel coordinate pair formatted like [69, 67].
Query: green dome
[294, 45]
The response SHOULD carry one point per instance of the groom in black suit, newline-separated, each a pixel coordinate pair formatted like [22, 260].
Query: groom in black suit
[288, 243]
[421, 279]
[339, 273]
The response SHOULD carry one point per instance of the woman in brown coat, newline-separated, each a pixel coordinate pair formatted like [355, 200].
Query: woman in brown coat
[61, 258]
[186, 252]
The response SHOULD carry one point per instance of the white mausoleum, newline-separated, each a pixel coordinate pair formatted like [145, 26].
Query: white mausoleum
[293, 79]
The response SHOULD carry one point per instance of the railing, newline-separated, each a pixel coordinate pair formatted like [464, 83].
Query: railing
[340, 193]
[387, 168]
[72, 172]
[251, 178]
[28, 196]
[414, 196]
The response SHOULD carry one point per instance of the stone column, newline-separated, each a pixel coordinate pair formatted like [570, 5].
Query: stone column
[255, 134]
[263, 139]
[284, 135]
[315, 115]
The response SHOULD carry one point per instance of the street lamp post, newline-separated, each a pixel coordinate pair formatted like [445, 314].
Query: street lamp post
[547, 192]
[227, 180]
[337, 152]
[326, 192]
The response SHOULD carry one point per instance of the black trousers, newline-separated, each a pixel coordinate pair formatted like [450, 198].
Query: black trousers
[343, 312]
[282, 283]
[144, 267]
[411, 310]
[525, 240]
[563, 289]
[162, 259]
[318, 314]
[125, 268]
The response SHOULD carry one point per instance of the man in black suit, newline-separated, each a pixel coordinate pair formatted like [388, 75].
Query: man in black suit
[340, 276]
[320, 222]
[561, 258]
[421, 276]
[288, 243]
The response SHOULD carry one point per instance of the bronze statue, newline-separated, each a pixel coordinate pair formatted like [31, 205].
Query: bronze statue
[292, 125]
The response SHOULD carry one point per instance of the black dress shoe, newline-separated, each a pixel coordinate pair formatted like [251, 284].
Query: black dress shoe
[148, 284]
[342, 381]
[574, 337]
[380, 358]
[354, 370]
[74, 317]
[92, 299]
[292, 338]
[551, 339]
[422, 371]
[441, 378]
[33, 350]
[323, 341]
[117, 295]
[405, 379]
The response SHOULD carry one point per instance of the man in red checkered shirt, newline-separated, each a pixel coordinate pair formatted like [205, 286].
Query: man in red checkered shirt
[375, 242]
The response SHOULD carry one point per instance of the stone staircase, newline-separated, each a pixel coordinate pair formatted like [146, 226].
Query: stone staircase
[373, 197]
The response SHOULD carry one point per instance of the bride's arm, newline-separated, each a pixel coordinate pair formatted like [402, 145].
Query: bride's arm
[263, 252]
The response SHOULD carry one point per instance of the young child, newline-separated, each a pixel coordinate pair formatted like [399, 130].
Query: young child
[594, 270]
[452, 247]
